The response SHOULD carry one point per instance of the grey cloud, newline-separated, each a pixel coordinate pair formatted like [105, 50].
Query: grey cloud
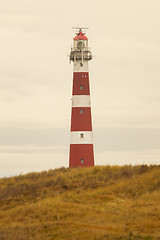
[112, 139]
[126, 139]
[32, 136]
[31, 149]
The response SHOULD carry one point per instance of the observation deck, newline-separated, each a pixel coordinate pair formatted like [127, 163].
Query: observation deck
[84, 54]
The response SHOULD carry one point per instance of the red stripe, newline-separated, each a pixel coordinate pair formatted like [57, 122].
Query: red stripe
[81, 79]
[81, 121]
[79, 152]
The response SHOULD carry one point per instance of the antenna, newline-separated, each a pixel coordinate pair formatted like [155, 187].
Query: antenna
[79, 28]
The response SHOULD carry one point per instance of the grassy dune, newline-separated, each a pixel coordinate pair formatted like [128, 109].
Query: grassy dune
[97, 203]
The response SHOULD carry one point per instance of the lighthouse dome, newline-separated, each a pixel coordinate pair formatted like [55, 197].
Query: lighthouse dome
[80, 36]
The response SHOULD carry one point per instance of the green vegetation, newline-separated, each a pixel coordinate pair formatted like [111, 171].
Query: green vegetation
[99, 203]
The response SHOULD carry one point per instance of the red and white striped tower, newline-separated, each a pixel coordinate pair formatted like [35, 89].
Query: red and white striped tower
[81, 139]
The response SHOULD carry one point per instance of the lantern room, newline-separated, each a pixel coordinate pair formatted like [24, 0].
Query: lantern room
[80, 49]
[80, 41]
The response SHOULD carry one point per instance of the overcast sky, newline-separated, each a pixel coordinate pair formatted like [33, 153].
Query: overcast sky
[36, 81]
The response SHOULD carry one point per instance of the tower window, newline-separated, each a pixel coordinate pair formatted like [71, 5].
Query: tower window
[81, 64]
[81, 111]
[82, 160]
[82, 135]
[81, 87]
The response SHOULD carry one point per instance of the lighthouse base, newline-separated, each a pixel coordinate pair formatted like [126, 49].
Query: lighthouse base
[81, 155]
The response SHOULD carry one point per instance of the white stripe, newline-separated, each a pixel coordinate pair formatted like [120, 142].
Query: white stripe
[81, 101]
[78, 68]
[76, 137]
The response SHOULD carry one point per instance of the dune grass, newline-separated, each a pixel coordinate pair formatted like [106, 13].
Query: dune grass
[96, 203]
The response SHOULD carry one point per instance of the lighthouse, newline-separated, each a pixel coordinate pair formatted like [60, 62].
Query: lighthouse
[81, 135]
